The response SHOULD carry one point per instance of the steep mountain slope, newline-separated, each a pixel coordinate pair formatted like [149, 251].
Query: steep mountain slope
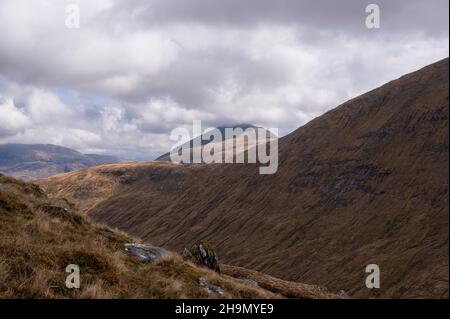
[29, 162]
[39, 237]
[365, 183]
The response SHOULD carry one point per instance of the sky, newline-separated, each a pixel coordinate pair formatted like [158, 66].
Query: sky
[134, 70]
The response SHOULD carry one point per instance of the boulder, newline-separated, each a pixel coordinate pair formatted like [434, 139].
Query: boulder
[210, 288]
[202, 281]
[186, 254]
[203, 254]
[145, 253]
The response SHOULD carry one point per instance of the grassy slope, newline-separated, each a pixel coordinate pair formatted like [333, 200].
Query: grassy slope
[35, 248]
[365, 183]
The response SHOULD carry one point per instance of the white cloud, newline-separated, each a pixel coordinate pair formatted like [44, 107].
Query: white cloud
[12, 119]
[45, 107]
[136, 69]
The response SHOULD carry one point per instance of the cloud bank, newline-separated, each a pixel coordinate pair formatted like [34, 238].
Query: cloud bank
[134, 70]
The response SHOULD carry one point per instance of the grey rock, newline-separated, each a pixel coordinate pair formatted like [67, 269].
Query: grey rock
[202, 281]
[145, 253]
[215, 289]
[186, 254]
[343, 294]
[205, 255]
[210, 288]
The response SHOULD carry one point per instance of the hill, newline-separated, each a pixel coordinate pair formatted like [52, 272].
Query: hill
[36, 161]
[40, 237]
[365, 183]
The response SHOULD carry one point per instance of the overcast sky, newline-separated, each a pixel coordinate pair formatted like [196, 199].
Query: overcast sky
[135, 70]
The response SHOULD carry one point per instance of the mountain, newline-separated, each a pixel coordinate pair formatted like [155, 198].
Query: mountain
[365, 183]
[199, 142]
[40, 237]
[29, 162]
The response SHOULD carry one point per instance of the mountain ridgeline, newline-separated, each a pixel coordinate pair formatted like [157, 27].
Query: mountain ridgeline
[240, 142]
[365, 183]
[35, 161]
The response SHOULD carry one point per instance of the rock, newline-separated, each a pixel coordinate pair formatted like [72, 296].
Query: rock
[250, 282]
[145, 253]
[210, 288]
[215, 289]
[186, 254]
[204, 254]
[61, 213]
[343, 294]
[202, 281]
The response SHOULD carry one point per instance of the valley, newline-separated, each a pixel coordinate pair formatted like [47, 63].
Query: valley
[365, 183]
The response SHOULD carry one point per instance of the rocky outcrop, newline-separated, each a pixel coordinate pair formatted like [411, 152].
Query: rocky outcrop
[203, 254]
[145, 253]
[186, 254]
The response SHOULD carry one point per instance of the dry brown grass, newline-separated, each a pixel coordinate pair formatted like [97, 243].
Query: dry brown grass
[35, 249]
[286, 288]
[88, 187]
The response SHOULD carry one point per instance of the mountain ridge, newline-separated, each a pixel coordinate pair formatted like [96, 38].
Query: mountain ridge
[36, 161]
[366, 182]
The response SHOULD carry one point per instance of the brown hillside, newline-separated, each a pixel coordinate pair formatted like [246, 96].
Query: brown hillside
[365, 183]
[38, 242]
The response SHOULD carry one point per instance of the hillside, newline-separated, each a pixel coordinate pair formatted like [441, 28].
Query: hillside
[39, 237]
[367, 182]
[36, 161]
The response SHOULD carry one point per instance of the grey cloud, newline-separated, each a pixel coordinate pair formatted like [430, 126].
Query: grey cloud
[159, 64]
[346, 15]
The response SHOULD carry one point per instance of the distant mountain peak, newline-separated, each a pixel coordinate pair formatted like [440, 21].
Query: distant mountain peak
[204, 139]
[36, 161]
